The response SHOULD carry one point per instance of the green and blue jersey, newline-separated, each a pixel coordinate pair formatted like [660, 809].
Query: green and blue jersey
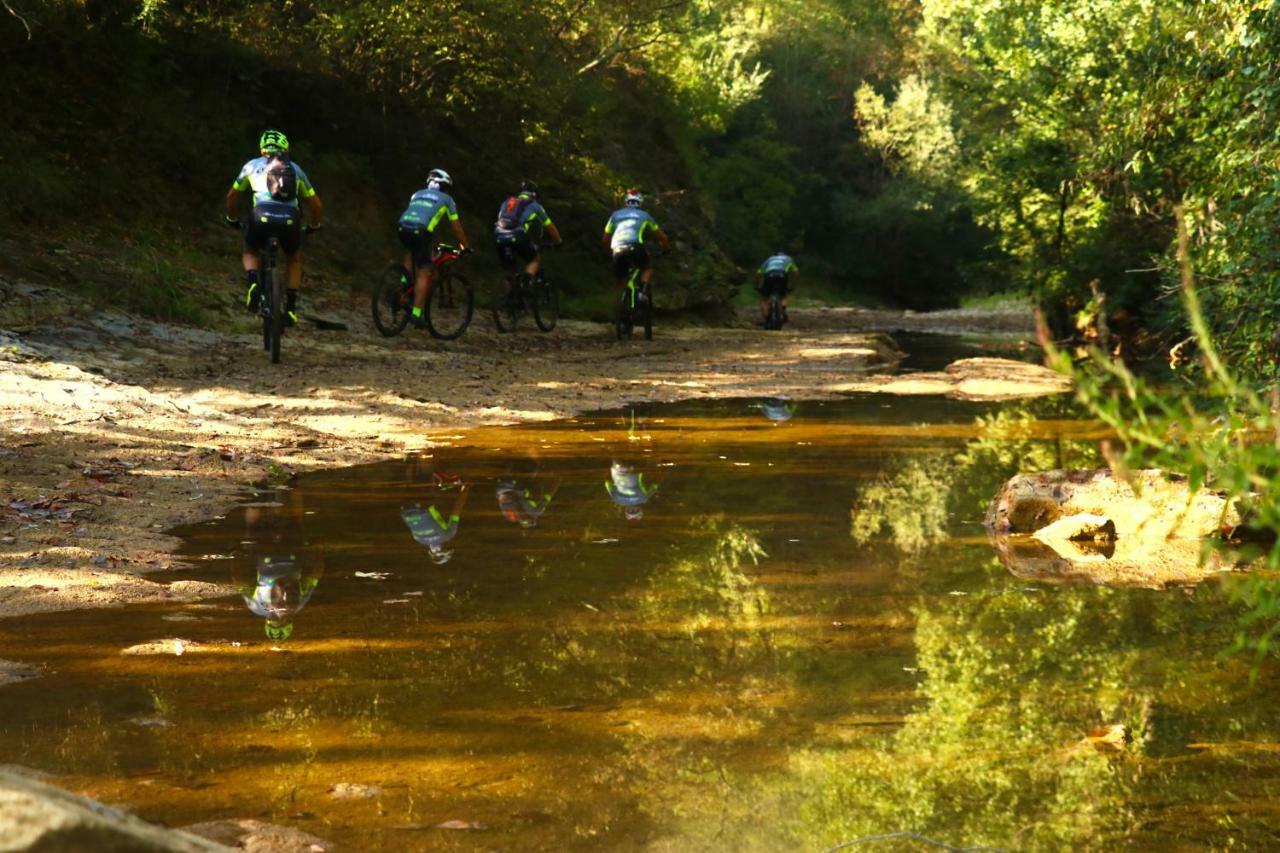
[779, 264]
[628, 227]
[516, 215]
[427, 209]
[253, 176]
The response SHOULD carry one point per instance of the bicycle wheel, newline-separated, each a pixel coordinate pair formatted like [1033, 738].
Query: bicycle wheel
[391, 301]
[546, 305]
[623, 321]
[506, 305]
[266, 282]
[277, 316]
[644, 314]
[450, 306]
[774, 318]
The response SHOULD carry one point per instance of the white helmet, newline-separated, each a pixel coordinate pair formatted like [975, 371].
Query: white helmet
[633, 198]
[440, 178]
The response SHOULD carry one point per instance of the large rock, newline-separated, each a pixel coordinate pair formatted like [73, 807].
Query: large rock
[1090, 527]
[1161, 508]
[36, 816]
[254, 836]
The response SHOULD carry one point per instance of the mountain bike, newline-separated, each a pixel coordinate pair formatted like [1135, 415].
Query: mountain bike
[273, 298]
[449, 305]
[634, 307]
[775, 312]
[519, 293]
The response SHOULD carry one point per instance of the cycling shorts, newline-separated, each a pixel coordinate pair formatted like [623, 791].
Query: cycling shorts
[629, 257]
[774, 282]
[420, 243]
[519, 245]
[272, 219]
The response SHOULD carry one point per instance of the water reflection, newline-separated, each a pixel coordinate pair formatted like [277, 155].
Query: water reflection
[436, 515]
[277, 568]
[525, 491]
[777, 409]
[737, 673]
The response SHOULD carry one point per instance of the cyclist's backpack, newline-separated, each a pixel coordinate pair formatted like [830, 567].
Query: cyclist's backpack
[282, 179]
[511, 217]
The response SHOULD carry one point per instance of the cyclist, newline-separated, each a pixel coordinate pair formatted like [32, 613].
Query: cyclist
[279, 570]
[524, 493]
[512, 231]
[624, 235]
[777, 409]
[772, 276]
[427, 208]
[428, 524]
[277, 183]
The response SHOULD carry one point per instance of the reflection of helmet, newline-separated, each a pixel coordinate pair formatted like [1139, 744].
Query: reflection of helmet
[776, 409]
[633, 198]
[273, 140]
[278, 631]
[633, 513]
[440, 178]
[440, 554]
[527, 186]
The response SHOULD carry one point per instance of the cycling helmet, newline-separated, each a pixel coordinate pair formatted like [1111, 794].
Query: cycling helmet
[440, 554]
[440, 178]
[274, 141]
[634, 198]
[633, 513]
[278, 631]
[529, 187]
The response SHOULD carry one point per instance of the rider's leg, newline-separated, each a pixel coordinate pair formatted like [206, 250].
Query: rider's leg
[422, 287]
[293, 277]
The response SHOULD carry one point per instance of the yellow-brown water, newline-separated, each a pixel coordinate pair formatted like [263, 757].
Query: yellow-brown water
[712, 662]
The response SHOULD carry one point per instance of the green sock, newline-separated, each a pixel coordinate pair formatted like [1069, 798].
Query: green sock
[417, 312]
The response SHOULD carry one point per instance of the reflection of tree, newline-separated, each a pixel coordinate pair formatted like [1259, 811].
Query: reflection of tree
[914, 499]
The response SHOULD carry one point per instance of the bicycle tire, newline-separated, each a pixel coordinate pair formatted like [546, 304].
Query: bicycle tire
[506, 305]
[772, 316]
[450, 307]
[623, 321]
[546, 305]
[277, 316]
[392, 300]
[644, 310]
[265, 281]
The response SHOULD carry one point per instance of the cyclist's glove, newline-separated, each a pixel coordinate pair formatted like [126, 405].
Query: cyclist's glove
[309, 229]
[231, 223]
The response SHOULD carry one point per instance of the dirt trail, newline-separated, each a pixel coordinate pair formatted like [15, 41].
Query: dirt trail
[115, 429]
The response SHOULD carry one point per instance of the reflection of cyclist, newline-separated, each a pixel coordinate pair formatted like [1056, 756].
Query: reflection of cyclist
[523, 496]
[772, 277]
[282, 570]
[627, 488]
[521, 220]
[777, 409]
[428, 207]
[277, 183]
[624, 235]
[431, 526]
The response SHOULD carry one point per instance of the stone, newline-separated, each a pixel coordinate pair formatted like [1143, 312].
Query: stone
[254, 836]
[38, 816]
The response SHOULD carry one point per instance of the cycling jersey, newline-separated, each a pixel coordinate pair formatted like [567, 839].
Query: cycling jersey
[426, 210]
[428, 525]
[253, 175]
[518, 505]
[524, 212]
[628, 227]
[279, 591]
[779, 264]
[626, 486]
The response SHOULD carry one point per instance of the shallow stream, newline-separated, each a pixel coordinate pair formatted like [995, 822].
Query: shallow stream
[746, 625]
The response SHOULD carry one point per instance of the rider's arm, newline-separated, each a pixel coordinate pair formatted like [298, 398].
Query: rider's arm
[233, 203]
[315, 209]
[554, 233]
[662, 239]
[459, 234]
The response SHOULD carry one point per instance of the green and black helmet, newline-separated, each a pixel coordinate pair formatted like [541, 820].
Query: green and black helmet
[273, 141]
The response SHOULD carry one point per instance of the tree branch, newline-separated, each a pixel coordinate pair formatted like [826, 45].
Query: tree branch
[22, 20]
